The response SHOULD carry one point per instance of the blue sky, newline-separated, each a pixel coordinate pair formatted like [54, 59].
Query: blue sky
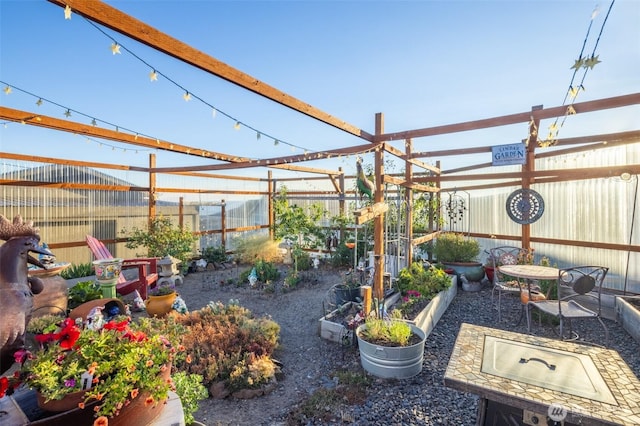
[421, 63]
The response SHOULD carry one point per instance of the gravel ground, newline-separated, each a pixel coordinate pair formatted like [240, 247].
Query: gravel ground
[308, 359]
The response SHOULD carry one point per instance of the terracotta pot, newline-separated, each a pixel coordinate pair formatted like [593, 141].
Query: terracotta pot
[83, 310]
[69, 402]
[159, 306]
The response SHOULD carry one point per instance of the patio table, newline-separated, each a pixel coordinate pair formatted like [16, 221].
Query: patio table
[529, 273]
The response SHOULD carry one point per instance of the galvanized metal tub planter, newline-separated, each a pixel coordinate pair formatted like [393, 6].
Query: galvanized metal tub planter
[400, 362]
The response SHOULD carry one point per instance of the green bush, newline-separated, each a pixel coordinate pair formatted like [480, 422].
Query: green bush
[162, 239]
[82, 292]
[265, 270]
[454, 247]
[216, 254]
[77, 271]
[428, 282]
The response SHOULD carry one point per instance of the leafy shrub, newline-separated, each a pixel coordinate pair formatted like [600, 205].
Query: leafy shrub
[77, 271]
[265, 270]
[428, 282]
[82, 292]
[216, 254]
[227, 344]
[162, 239]
[190, 390]
[454, 247]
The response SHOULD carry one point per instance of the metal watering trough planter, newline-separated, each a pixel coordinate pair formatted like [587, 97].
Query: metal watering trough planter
[399, 362]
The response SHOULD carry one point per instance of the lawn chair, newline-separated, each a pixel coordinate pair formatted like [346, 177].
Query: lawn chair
[575, 287]
[147, 269]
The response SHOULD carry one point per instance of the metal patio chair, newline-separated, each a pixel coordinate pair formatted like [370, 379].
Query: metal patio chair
[576, 286]
[505, 255]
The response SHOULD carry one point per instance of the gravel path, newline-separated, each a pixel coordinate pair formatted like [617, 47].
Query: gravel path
[308, 359]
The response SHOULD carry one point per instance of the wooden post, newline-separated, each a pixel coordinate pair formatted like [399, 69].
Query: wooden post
[181, 213]
[408, 197]
[366, 299]
[378, 221]
[152, 189]
[530, 166]
[271, 213]
[223, 223]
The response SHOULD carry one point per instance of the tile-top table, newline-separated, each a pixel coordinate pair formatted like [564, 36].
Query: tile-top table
[527, 378]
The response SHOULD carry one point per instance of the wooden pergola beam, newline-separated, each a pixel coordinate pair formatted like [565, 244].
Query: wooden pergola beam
[271, 162]
[631, 136]
[586, 173]
[410, 185]
[47, 122]
[135, 29]
[53, 123]
[522, 117]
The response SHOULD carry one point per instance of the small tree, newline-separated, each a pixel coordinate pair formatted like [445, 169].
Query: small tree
[295, 223]
[162, 239]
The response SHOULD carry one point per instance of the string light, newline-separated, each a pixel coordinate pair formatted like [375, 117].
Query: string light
[118, 46]
[585, 63]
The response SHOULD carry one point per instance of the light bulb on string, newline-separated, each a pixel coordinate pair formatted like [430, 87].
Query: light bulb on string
[115, 48]
[186, 96]
[153, 75]
[237, 125]
[39, 101]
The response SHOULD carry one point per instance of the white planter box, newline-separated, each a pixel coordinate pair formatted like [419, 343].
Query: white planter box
[629, 317]
[427, 319]
[335, 331]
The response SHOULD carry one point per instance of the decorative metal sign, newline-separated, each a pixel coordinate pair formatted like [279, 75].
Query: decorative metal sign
[525, 206]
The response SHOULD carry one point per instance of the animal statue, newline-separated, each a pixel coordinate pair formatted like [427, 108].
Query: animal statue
[16, 287]
[365, 186]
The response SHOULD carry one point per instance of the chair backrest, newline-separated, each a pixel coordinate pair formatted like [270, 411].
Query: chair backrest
[100, 252]
[505, 255]
[580, 280]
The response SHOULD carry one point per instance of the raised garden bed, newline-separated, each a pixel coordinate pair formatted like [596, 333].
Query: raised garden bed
[628, 314]
[333, 325]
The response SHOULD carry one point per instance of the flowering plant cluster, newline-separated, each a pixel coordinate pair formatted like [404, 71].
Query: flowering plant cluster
[112, 365]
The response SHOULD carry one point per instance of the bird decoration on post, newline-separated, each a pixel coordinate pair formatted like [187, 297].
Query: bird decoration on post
[365, 186]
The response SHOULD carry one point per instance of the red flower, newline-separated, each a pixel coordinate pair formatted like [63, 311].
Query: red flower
[68, 335]
[119, 326]
[4, 385]
[45, 338]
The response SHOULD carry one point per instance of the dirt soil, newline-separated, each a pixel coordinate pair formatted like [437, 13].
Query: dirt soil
[307, 359]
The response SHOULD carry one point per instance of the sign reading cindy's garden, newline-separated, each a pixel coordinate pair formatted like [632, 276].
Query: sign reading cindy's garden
[503, 155]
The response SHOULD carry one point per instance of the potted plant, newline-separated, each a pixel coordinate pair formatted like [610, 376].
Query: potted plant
[348, 290]
[460, 253]
[390, 348]
[100, 372]
[161, 298]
